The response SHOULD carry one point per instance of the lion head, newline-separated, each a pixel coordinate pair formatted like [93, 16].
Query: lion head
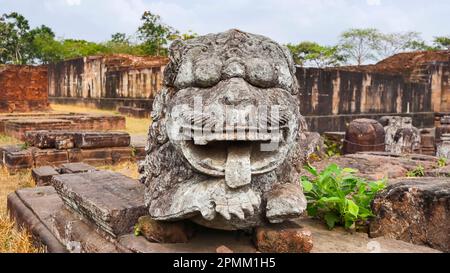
[224, 129]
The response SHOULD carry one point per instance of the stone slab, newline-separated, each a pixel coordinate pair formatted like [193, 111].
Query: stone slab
[78, 167]
[42, 176]
[415, 210]
[90, 140]
[46, 211]
[32, 209]
[112, 201]
[53, 157]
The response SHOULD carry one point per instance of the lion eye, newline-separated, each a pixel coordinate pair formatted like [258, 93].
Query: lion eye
[260, 73]
[207, 72]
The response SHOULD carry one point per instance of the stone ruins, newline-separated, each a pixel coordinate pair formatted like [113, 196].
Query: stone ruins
[234, 121]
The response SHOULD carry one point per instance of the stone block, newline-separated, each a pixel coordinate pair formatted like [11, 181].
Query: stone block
[113, 202]
[101, 156]
[50, 139]
[8, 149]
[283, 238]
[18, 159]
[50, 157]
[134, 112]
[164, 232]
[416, 211]
[75, 155]
[42, 176]
[121, 154]
[90, 140]
[78, 167]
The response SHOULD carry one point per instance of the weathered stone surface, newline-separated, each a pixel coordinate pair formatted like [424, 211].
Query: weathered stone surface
[90, 140]
[364, 135]
[416, 211]
[198, 175]
[283, 238]
[112, 201]
[51, 157]
[379, 165]
[42, 176]
[50, 139]
[17, 125]
[96, 157]
[224, 250]
[165, 232]
[78, 167]
[14, 160]
[401, 136]
[32, 208]
[8, 149]
[443, 148]
[61, 230]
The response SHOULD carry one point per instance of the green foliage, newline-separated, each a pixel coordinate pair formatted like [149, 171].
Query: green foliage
[442, 42]
[310, 53]
[339, 197]
[442, 162]
[418, 171]
[154, 34]
[363, 45]
[332, 148]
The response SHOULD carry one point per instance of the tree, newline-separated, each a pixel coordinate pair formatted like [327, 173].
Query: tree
[388, 44]
[359, 44]
[183, 36]
[311, 53]
[14, 39]
[154, 34]
[442, 42]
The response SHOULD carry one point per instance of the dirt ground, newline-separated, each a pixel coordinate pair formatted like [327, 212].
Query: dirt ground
[15, 241]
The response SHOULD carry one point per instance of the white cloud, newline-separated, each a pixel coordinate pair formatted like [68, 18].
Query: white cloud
[73, 2]
[373, 2]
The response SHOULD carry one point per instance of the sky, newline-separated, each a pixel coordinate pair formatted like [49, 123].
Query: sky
[286, 21]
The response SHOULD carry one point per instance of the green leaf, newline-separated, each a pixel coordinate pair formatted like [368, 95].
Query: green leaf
[352, 208]
[307, 186]
[331, 219]
[311, 169]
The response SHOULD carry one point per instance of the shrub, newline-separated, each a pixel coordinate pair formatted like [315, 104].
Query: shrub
[337, 196]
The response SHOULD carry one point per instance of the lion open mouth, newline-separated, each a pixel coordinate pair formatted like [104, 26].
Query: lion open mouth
[238, 151]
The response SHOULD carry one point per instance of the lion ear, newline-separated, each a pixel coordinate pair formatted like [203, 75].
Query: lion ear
[176, 50]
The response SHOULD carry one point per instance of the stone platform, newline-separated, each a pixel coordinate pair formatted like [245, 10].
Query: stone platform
[87, 218]
[16, 125]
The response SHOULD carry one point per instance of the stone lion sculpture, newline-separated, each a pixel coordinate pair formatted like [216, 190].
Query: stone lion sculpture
[223, 148]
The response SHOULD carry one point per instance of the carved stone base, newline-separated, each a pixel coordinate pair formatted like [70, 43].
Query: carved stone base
[283, 238]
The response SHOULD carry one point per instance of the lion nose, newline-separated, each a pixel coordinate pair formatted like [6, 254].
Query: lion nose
[237, 93]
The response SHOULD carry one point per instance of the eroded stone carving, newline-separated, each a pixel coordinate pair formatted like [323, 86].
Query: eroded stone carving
[223, 146]
[401, 136]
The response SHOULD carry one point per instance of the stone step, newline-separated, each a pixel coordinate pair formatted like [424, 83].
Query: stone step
[42, 211]
[112, 201]
[77, 139]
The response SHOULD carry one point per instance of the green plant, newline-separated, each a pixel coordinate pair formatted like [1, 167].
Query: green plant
[332, 148]
[337, 196]
[442, 162]
[418, 171]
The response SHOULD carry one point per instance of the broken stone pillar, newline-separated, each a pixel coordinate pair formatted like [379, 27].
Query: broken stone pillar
[415, 211]
[401, 137]
[441, 129]
[443, 149]
[427, 142]
[364, 135]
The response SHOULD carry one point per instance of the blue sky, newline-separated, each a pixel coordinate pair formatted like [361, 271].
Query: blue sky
[283, 20]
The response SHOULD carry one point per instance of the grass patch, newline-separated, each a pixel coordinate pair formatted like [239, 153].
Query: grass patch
[135, 126]
[129, 169]
[7, 140]
[11, 239]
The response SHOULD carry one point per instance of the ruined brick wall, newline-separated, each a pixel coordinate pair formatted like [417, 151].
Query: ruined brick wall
[408, 84]
[23, 88]
[107, 81]
[330, 98]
